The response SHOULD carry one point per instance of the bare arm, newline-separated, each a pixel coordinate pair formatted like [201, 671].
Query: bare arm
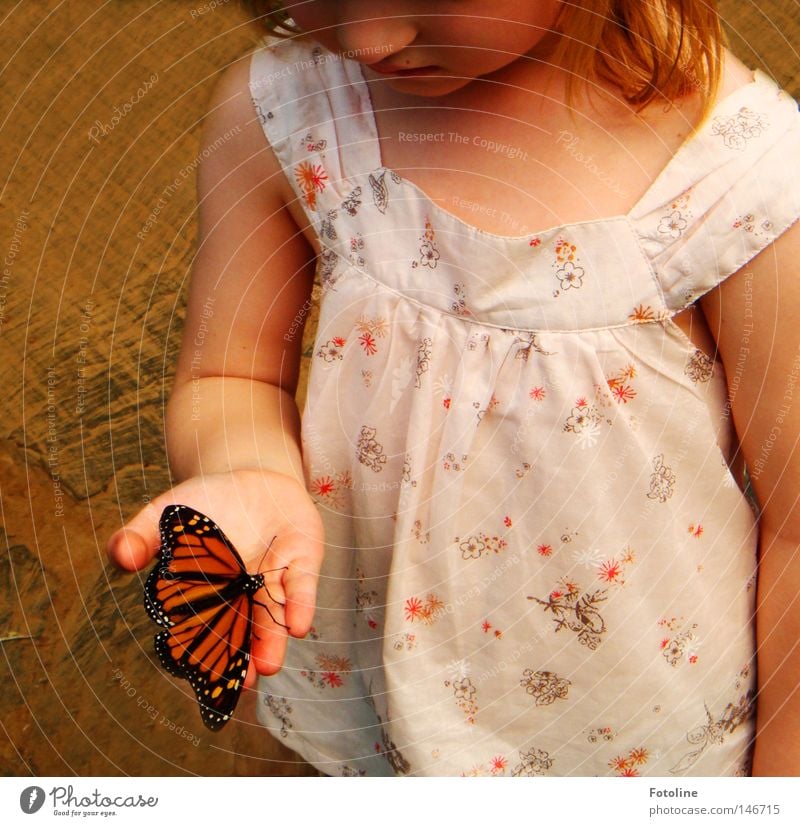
[232, 425]
[766, 412]
[232, 403]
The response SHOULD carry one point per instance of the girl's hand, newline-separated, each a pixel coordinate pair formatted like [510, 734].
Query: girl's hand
[251, 507]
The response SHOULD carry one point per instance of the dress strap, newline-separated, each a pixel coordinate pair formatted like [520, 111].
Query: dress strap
[317, 116]
[729, 192]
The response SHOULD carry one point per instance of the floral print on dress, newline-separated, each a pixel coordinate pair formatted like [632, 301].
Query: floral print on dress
[529, 343]
[423, 359]
[749, 223]
[311, 144]
[311, 179]
[644, 313]
[713, 731]
[604, 733]
[627, 765]
[544, 686]
[480, 544]
[459, 305]
[662, 480]
[738, 129]
[451, 461]
[532, 763]
[331, 350]
[428, 251]
[331, 671]
[679, 646]
[699, 367]
[425, 611]
[366, 600]
[330, 490]
[371, 329]
[393, 755]
[584, 421]
[496, 767]
[352, 202]
[465, 695]
[280, 708]
[369, 451]
[612, 571]
[569, 272]
[326, 268]
[576, 612]
[620, 384]
[380, 192]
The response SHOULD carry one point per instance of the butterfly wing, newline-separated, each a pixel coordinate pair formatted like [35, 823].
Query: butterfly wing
[212, 652]
[201, 593]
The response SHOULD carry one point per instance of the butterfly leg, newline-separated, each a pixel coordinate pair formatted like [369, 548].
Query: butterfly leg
[264, 605]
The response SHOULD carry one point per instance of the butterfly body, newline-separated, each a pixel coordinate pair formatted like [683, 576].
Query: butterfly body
[202, 595]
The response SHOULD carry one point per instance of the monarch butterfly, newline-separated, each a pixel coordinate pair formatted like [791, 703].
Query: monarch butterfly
[202, 593]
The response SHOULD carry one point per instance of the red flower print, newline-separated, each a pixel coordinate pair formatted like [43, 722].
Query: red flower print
[538, 393]
[696, 530]
[446, 403]
[544, 550]
[497, 634]
[623, 392]
[571, 587]
[610, 570]
[414, 609]
[639, 756]
[535, 242]
[368, 343]
[692, 659]
[629, 772]
[580, 402]
[554, 595]
[310, 177]
[486, 625]
[507, 521]
[642, 313]
[619, 764]
[332, 679]
[498, 763]
[339, 341]
[323, 486]
[665, 642]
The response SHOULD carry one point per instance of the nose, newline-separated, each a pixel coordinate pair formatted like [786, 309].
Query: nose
[371, 31]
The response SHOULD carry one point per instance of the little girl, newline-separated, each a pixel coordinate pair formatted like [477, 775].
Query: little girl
[554, 253]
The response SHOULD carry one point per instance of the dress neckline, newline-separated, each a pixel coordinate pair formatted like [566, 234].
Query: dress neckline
[683, 149]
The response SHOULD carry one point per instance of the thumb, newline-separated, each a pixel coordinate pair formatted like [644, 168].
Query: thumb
[138, 541]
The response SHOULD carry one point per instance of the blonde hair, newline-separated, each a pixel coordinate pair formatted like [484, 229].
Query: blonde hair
[652, 50]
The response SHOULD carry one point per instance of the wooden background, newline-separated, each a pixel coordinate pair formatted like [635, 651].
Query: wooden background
[90, 319]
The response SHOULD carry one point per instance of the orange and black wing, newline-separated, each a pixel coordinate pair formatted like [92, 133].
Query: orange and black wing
[211, 649]
[202, 594]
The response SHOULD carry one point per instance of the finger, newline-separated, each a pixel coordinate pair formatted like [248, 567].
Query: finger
[137, 542]
[300, 586]
[269, 646]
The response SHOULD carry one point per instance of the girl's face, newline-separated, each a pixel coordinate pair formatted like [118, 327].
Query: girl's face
[428, 47]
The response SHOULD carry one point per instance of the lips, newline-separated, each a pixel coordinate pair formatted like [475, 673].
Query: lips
[385, 68]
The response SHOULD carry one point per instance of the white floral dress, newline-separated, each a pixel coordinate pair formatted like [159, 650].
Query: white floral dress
[538, 560]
